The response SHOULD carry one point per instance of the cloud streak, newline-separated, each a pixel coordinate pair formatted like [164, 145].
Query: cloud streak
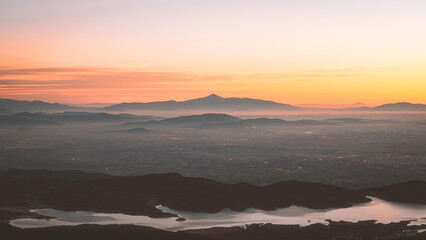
[109, 84]
[89, 83]
[25, 71]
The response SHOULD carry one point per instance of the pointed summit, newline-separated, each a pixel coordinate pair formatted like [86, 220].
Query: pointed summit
[208, 103]
[214, 96]
[212, 99]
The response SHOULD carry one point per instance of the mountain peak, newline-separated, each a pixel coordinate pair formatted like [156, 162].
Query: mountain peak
[214, 96]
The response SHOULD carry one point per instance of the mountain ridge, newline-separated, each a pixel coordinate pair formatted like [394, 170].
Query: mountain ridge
[14, 106]
[61, 118]
[140, 194]
[210, 102]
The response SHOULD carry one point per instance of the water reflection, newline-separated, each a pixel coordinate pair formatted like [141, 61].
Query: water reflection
[379, 210]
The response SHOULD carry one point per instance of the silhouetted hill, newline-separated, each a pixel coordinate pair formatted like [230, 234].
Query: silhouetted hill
[264, 122]
[401, 106]
[95, 232]
[307, 122]
[211, 102]
[188, 121]
[92, 117]
[27, 119]
[140, 194]
[367, 230]
[23, 129]
[222, 121]
[138, 130]
[334, 230]
[222, 126]
[203, 121]
[347, 120]
[214, 101]
[14, 106]
[324, 195]
[71, 175]
[98, 116]
[357, 121]
[4, 111]
[18, 192]
[261, 122]
[200, 119]
[406, 192]
[45, 119]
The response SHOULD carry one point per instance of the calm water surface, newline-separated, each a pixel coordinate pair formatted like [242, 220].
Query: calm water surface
[378, 209]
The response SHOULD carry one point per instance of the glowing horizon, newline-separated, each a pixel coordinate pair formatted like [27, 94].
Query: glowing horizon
[293, 52]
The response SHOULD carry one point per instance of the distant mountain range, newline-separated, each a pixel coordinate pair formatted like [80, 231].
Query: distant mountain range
[401, 106]
[70, 175]
[45, 119]
[224, 121]
[188, 121]
[137, 130]
[212, 102]
[146, 123]
[8, 106]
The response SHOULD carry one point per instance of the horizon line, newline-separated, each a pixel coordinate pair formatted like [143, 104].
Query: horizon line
[301, 105]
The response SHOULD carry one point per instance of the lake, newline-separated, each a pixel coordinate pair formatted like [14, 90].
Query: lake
[380, 210]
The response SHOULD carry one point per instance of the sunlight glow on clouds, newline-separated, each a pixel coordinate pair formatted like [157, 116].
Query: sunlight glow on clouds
[289, 51]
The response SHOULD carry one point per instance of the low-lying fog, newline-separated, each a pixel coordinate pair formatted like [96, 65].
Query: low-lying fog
[379, 149]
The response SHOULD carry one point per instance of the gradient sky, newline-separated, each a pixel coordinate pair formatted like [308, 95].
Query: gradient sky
[296, 52]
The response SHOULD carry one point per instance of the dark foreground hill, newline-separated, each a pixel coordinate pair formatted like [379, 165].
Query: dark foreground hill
[73, 190]
[93, 232]
[140, 194]
[71, 175]
[406, 192]
[334, 231]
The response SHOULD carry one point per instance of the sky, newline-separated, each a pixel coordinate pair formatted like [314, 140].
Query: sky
[298, 52]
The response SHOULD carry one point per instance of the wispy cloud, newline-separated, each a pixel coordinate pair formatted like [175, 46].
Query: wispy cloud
[84, 83]
[111, 84]
[311, 73]
[25, 71]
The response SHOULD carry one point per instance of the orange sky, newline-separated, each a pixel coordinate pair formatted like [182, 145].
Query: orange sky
[295, 52]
